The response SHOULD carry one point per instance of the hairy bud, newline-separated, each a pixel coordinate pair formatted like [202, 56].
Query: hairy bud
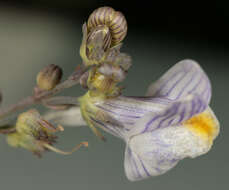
[49, 77]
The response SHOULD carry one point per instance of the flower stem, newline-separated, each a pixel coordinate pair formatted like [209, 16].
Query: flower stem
[38, 98]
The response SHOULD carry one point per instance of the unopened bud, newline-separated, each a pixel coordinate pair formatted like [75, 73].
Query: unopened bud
[98, 41]
[94, 45]
[49, 77]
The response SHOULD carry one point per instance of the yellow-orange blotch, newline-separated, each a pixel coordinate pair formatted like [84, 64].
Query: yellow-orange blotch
[203, 125]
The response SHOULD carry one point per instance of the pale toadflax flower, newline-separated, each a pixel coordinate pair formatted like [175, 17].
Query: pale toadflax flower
[172, 122]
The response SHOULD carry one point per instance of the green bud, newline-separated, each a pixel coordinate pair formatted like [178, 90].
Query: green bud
[49, 77]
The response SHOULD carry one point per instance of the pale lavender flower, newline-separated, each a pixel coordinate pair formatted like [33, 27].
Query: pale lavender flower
[172, 122]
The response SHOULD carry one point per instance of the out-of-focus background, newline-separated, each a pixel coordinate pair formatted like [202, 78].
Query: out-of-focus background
[39, 32]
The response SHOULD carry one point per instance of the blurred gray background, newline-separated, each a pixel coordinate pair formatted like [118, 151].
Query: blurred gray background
[36, 33]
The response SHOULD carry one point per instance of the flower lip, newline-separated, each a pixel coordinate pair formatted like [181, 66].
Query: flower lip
[156, 152]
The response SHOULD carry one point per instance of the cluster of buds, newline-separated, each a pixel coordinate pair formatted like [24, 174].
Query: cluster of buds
[100, 48]
[100, 51]
[35, 134]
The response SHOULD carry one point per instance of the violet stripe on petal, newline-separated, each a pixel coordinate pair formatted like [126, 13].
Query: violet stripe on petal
[134, 162]
[109, 129]
[145, 170]
[174, 86]
[170, 84]
[179, 88]
[170, 75]
[162, 86]
[175, 114]
[118, 114]
[179, 112]
[155, 100]
[198, 81]
[191, 80]
[135, 107]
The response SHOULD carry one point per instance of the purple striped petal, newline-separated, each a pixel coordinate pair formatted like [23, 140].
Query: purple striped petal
[186, 77]
[127, 111]
[180, 94]
[173, 114]
[113, 130]
[148, 155]
[134, 167]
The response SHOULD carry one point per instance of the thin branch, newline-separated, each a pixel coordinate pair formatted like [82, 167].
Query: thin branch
[7, 129]
[38, 98]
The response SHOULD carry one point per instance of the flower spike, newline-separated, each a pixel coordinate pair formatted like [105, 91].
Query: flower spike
[172, 122]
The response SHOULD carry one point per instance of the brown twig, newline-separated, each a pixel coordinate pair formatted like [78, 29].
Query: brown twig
[5, 130]
[39, 97]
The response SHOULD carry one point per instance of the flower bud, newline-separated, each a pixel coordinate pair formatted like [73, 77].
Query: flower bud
[49, 77]
[98, 41]
[94, 45]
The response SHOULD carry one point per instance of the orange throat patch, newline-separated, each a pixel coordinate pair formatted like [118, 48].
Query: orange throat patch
[203, 125]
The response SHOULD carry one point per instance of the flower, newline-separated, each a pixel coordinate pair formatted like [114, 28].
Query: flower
[172, 122]
[36, 134]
